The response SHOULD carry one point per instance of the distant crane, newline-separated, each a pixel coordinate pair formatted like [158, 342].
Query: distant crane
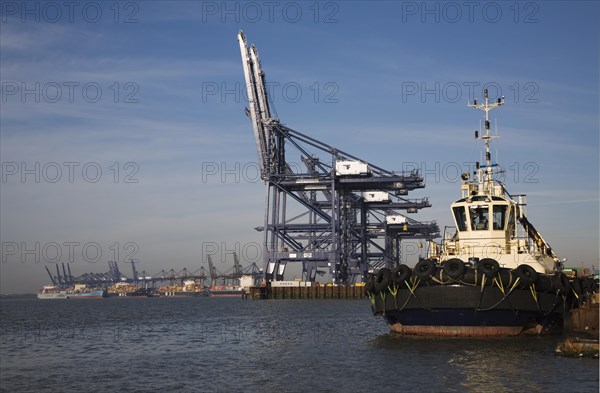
[237, 268]
[54, 282]
[214, 275]
[134, 271]
[69, 270]
[58, 278]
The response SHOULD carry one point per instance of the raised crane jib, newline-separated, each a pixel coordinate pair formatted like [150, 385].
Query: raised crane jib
[536, 236]
[258, 112]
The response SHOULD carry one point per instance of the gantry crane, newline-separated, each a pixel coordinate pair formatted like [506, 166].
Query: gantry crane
[214, 275]
[340, 212]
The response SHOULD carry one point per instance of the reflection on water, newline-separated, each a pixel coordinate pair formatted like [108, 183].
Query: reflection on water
[205, 344]
[491, 365]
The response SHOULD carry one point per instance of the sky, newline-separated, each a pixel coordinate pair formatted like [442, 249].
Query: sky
[123, 133]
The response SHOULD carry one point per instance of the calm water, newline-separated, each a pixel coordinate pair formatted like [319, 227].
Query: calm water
[231, 345]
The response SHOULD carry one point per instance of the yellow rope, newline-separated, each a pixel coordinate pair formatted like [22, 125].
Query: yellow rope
[534, 294]
[436, 280]
[498, 281]
[416, 284]
[515, 284]
[382, 294]
[575, 293]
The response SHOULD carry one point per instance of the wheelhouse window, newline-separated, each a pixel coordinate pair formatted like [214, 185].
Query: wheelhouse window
[460, 217]
[479, 217]
[499, 216]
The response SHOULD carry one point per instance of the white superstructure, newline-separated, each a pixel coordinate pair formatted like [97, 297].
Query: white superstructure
[491, 223]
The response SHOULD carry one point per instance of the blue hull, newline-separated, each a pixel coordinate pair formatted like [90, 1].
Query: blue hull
[88, 295]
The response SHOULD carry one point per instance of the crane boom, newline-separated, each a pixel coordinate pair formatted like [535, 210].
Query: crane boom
[259, 80]
[237, 268]
[134, 271]
[536, 236]
[51, 278]
[213, 272]
[259, 109]
[58, 275]
[65, 274]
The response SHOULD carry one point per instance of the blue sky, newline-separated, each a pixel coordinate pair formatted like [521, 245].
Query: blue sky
[176, 152]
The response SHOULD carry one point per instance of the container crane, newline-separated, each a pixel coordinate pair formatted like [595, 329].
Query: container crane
[350, 220]
[214, 275]
[54, 282]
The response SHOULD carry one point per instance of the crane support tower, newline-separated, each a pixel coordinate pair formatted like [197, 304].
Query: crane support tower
[335, 212]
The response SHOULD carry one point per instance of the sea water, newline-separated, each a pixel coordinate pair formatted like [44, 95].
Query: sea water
[233, 345]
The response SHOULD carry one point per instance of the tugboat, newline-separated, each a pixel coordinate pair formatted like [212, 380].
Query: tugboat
[492, 275]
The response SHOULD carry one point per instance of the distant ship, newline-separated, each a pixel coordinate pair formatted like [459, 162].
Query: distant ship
[51, 292]
[79, 291]
[94, 294]
[492, 275]
[82, 291]
[189, 289]
[225, 291]
[125, 289]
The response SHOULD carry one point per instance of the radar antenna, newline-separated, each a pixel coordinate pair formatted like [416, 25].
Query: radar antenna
[486, 106]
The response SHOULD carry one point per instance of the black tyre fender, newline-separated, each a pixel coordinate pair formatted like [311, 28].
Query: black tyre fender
[401, 273]
[506, 277]
[527, 274]
[425, 269]
[488, 266]
[470, 277]
[455, 268]
[383, 279]
[561, 282]
[545, 283]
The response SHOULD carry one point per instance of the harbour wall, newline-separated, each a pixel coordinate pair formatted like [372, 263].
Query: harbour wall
[309, 292]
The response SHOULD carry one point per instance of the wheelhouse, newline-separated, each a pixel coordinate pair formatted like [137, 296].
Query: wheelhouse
[483, 213]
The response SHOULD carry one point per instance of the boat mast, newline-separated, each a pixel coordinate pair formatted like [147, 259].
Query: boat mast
[486, 181]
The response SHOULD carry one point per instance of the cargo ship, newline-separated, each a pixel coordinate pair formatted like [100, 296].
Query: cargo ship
[240, 287]
[225, 291]
[81, 291]
[125, 289]
[493, 274]
[51, 292]
[189, 289]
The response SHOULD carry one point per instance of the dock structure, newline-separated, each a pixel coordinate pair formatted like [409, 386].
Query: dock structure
[582, 331]
[327, 209]
[309, 292]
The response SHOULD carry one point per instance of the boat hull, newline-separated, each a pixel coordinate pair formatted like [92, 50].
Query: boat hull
[182, 294]
[225, 293]
[471, 323]
[88, 295]
[473, 311]
[140, 293]
[50, 296]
